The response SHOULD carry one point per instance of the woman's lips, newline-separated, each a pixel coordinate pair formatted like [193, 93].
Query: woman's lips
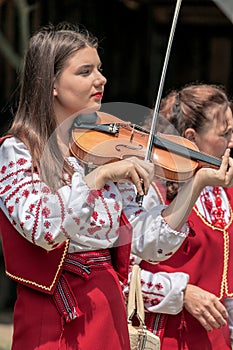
[98, 95]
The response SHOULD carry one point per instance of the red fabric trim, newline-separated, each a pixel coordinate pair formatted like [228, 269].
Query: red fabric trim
[3, 138]
[121, 253]
[27, 263]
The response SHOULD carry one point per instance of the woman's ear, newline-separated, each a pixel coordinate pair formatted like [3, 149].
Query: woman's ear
[54, 90]
[190, 134]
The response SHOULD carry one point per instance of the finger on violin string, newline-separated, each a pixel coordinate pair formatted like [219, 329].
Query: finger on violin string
[229, 174]
[225, 159]
[139, 184]
[144, 174]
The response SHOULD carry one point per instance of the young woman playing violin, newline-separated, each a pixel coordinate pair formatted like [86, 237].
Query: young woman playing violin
[62, 229]
[187, 292]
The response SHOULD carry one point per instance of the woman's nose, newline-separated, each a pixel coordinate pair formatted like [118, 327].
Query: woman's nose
[100, 78]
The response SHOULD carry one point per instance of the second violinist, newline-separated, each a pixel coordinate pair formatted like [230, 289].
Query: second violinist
[195, 285]
[60, 227]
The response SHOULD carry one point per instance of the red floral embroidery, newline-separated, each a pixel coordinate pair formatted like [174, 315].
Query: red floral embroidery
[31, 207]
[93, 230]
[95, 215]
[112, 195]
[155, 301]
[159, 286]
[146, 299]
[11, 164]
[217, 215]
[45, 189]
[21, 161]
[48, 237]
[77, 220]
[45, 212]
[47, 224]
[3, 169]
[117, 206]
[10, 209]
[149, 284]
[93, 194]
[25, 193]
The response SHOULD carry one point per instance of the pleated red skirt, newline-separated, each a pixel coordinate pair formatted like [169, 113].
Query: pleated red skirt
[103, 326]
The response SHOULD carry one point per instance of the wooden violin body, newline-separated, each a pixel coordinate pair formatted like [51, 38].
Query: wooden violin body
[110, 139]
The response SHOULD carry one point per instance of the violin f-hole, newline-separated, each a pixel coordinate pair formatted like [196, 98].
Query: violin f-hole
[118, 147]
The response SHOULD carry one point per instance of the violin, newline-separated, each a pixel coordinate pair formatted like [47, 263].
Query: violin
[103, 138]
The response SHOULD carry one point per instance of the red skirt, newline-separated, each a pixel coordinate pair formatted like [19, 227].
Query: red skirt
[38, 325]
[184, 332]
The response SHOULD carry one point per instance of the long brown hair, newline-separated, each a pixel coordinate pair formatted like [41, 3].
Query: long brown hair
[34, 123]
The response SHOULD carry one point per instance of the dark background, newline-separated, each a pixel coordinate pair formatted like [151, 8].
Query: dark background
[133, 39]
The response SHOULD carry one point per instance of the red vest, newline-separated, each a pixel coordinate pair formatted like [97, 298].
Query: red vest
[37, 268]
[206, 255]
[29, 264]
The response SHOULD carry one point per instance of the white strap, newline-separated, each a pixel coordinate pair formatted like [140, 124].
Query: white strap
[135, 300]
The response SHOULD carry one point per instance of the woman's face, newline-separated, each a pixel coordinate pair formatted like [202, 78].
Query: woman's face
[217, 135]
[80, 86]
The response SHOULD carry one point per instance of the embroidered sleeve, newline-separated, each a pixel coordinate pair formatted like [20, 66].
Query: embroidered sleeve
[153, 239]
[162, 292]
[88, 218]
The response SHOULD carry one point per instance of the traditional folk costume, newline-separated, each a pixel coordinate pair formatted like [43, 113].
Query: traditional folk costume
[207, 257]
[67, 250]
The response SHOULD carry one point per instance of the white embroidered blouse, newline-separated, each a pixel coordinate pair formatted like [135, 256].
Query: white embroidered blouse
[88, 218]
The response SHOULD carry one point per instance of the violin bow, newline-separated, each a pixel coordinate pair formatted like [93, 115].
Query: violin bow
[139, 198]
